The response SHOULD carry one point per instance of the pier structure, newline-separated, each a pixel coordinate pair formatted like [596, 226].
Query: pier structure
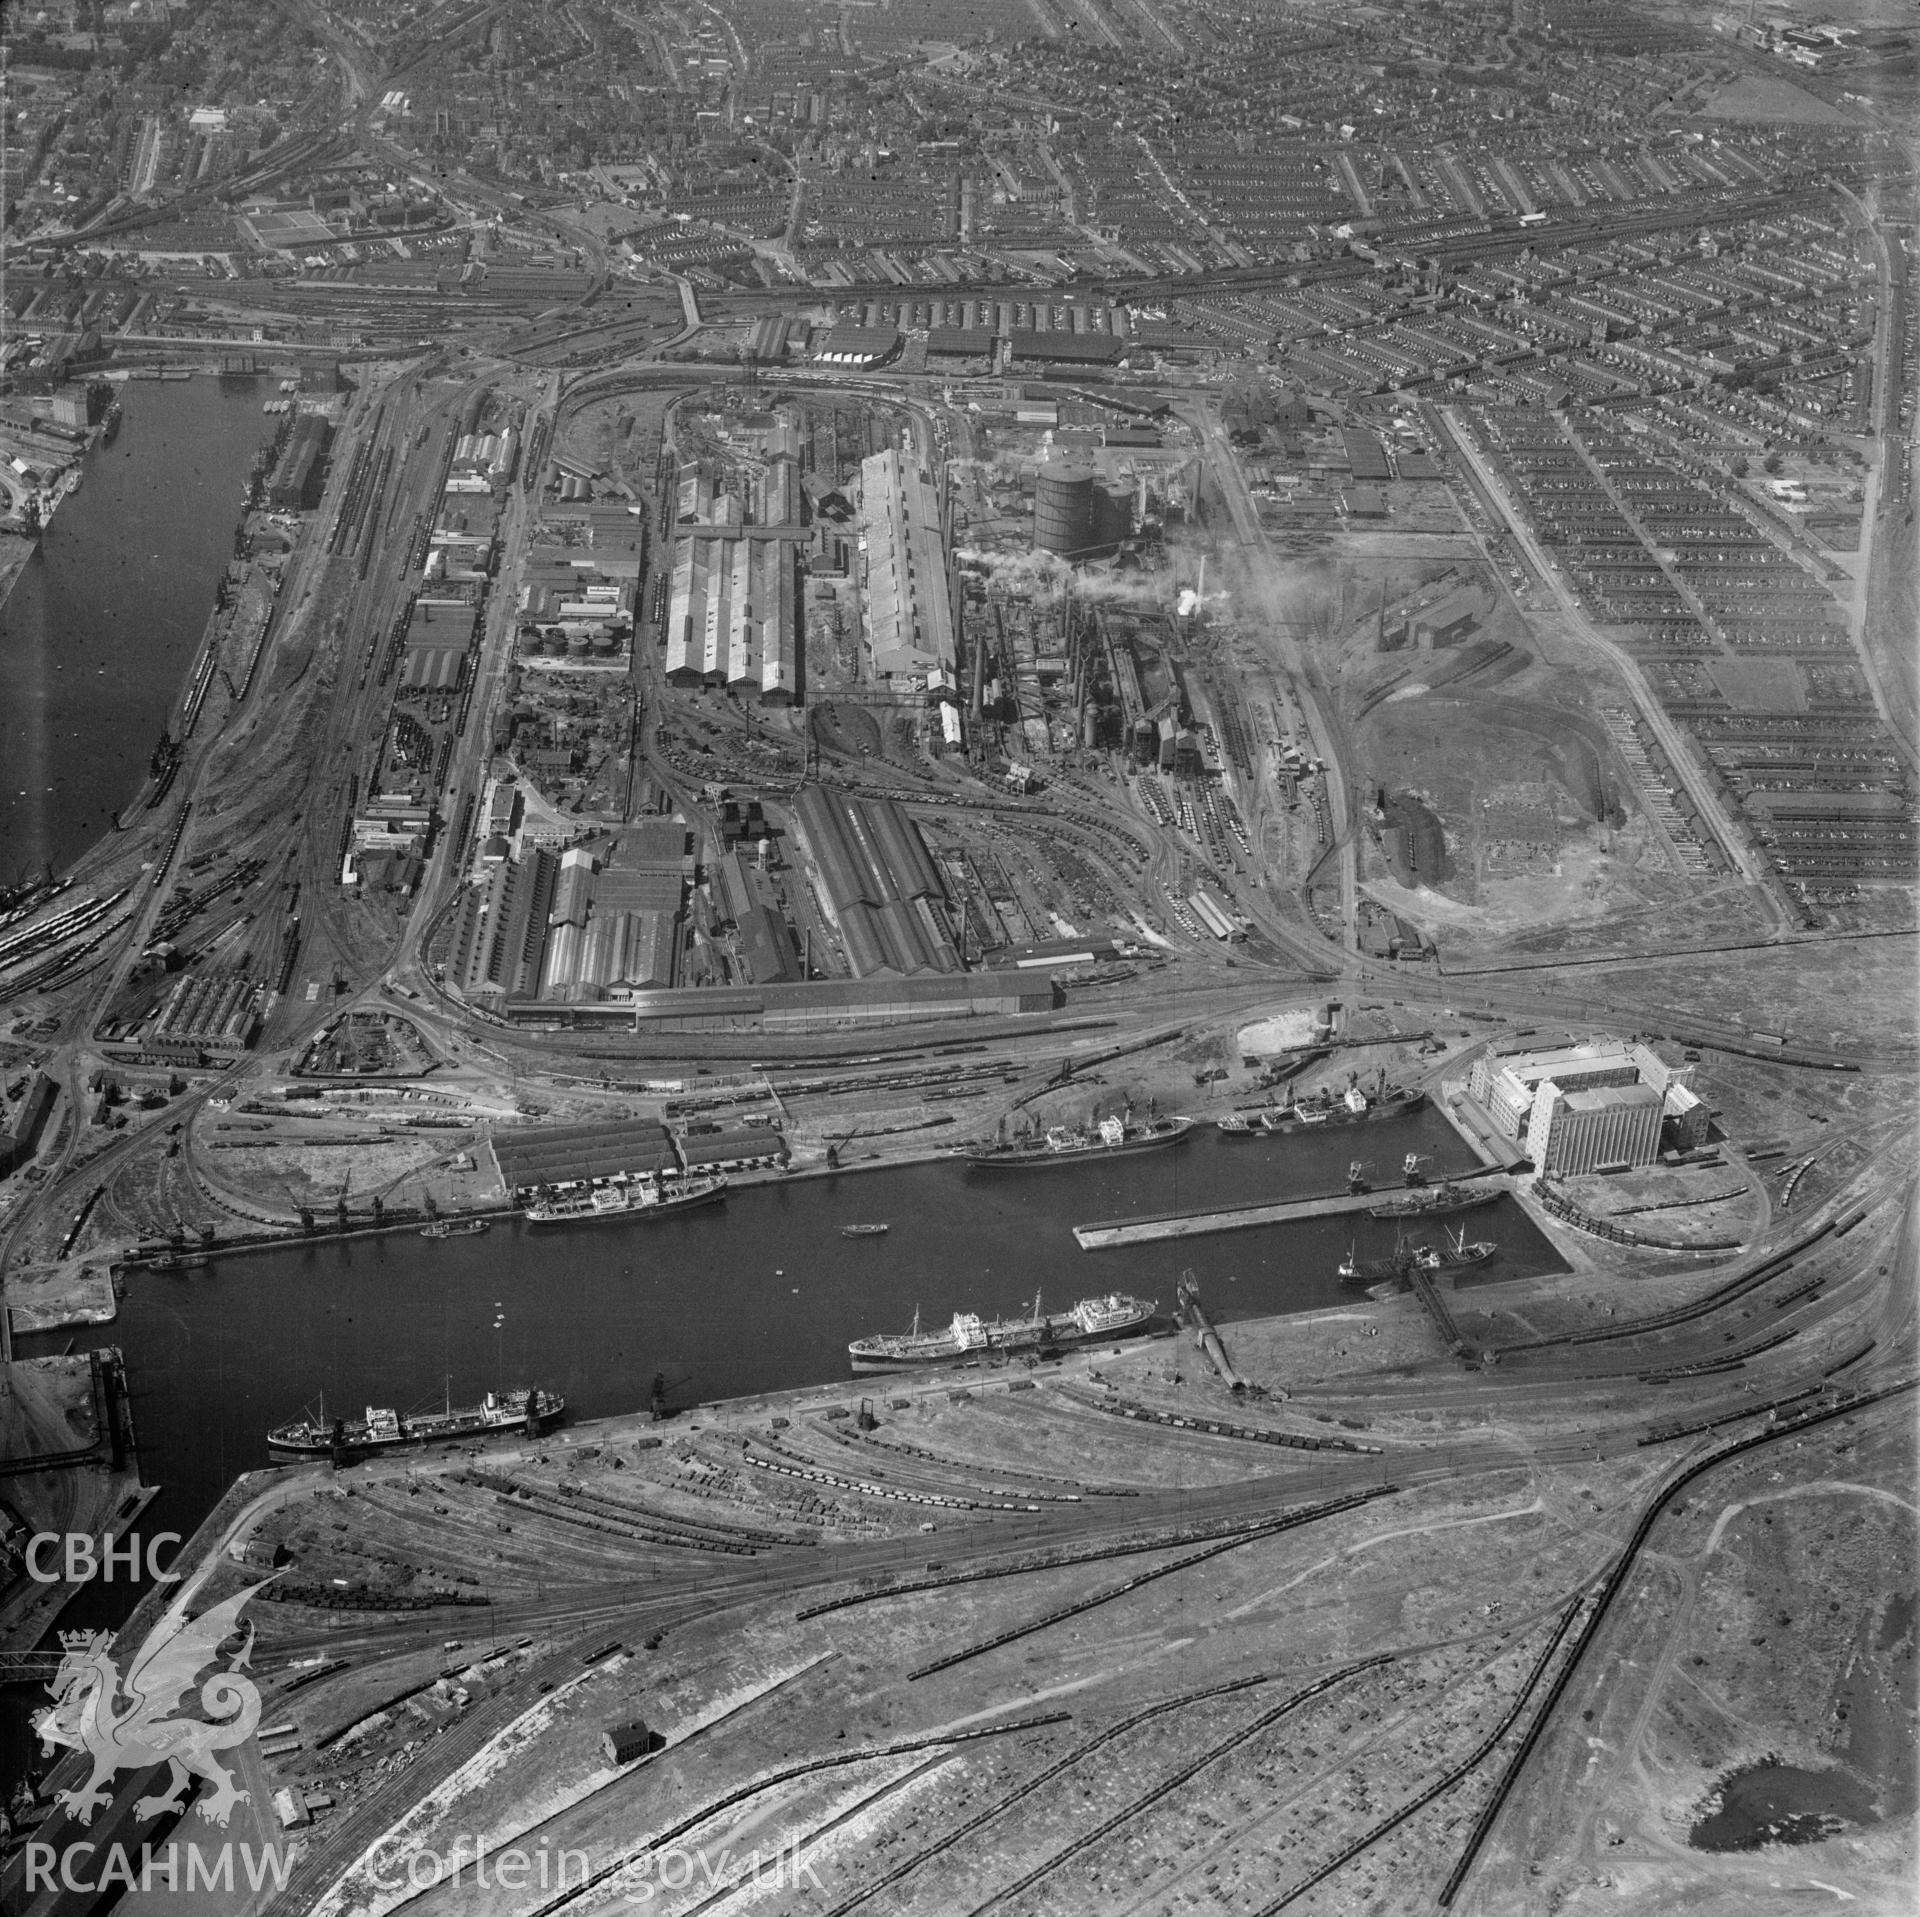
[1107, 1233]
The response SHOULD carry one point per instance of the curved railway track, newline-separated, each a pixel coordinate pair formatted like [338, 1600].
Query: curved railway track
[1610, 1590]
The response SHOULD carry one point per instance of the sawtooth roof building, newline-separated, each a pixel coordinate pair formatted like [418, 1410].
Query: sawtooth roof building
[880, 885]
[732, 617]
[614, 926]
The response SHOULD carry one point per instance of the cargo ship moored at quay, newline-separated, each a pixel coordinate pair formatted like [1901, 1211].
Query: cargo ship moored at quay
[1114, 1137]
[1458, 1254]
[645, 1198]
[1352, 1107]
[971, 1336]
[530, 1412]
[1435, 1201]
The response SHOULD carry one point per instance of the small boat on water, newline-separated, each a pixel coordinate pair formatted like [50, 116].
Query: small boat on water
[864, 1231]
[454, 1228]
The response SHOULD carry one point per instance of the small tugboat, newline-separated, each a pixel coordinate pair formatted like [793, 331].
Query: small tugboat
[864, 1231]
[454, 1228]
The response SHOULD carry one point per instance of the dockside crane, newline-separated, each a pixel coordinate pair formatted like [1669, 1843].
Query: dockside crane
[657, 1408]
[302, 1209]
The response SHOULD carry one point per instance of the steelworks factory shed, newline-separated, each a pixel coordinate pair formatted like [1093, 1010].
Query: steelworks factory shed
[882, 888]
[907, 598]
[564, 1154]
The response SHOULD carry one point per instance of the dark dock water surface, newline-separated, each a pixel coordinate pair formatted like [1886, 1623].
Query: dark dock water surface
[761, 1293]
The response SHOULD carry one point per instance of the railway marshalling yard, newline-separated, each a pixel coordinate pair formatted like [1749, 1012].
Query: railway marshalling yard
[1380, 1630]
[1383, 1628]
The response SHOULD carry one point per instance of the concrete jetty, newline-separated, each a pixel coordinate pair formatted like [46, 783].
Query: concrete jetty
[1200, 1224]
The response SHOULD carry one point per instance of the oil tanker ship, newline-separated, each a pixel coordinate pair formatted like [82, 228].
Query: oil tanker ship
[1115, 1137]
[529, 1411]
[645, 1198]
[971, 1336]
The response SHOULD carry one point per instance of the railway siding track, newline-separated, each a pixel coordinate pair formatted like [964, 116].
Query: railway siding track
[1272, 1528]
[1775, 1265]
[1481, 1752]
[630, 1860]
[1614, 1583]
[1110, 1735]
[1167, 1786]
[1128, 1547]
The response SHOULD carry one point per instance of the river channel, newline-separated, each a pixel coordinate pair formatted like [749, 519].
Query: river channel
[103, 621]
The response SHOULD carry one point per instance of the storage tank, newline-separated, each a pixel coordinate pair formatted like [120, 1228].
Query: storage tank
[1064, 509]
